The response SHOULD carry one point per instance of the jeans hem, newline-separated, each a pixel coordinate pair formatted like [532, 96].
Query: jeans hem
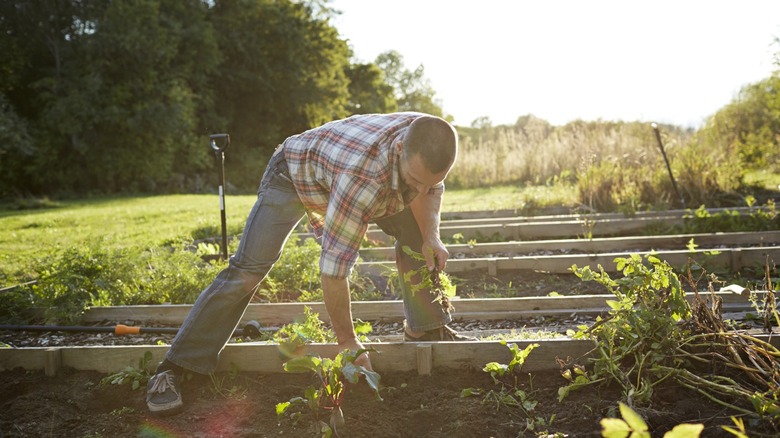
[430, 326]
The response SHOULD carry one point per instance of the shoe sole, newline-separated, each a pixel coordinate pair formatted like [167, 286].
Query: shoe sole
[166, 409]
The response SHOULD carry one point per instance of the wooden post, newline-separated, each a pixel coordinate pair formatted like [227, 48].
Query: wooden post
[424, 359]
[52, 361]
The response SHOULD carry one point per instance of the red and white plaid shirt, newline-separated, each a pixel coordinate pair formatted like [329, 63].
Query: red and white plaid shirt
[346, 174]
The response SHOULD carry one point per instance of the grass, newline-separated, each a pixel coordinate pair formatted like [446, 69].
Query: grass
[512, 197]
[152, 221]
[143, 222]
[116, 223]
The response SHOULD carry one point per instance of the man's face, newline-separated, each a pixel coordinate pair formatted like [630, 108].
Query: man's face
[416, 176]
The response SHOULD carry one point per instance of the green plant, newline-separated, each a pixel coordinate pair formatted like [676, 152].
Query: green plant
[229, 385]
[740, 431]
[296, 273]
[136, 376]
[436, 281]
[652, 335]
[641, 329]
[310, 329]
[633, 425]
[334, 377]
[510, 393]
[764, 218]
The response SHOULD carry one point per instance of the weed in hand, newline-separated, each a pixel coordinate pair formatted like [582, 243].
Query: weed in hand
[436, 281]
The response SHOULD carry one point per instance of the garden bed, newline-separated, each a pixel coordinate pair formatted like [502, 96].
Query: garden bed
[76, 404]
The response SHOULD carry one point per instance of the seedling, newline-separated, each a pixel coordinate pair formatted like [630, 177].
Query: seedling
[227, 385]
[137, 377]
[511, 395]
[634, 425]
[334, 375]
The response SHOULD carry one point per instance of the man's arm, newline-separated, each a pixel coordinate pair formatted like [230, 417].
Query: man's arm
[335, 293]
[426, 208]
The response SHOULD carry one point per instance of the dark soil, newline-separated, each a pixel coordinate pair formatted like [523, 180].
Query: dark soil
[76, 404]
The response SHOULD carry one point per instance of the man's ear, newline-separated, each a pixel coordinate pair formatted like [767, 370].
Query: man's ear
[399, 147]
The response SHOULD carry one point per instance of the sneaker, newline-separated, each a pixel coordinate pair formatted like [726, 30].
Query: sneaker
[442, 333]
[162, 393]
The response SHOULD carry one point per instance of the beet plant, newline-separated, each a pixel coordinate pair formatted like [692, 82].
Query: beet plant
[335, 375]
[509, 394]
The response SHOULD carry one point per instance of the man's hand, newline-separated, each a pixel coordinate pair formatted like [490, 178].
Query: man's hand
[435, 254]
[355, 345]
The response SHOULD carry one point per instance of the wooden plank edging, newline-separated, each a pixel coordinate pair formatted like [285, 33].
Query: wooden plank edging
[467, 308]
[726, 259]
[596, 245]
[266, 358]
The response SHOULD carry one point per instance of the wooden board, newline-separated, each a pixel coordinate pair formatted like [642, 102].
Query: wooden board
[596, 245]
[267, 358]
[725, 260]
[467, 309]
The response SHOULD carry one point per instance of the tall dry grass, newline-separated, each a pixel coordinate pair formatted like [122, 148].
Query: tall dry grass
[613, 165]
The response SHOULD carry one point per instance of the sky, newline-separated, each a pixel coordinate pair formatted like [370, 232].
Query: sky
[665, 61]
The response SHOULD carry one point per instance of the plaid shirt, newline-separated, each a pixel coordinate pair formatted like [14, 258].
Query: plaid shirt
[346, 175]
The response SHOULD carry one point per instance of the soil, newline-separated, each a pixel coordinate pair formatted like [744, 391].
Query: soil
[76, 404]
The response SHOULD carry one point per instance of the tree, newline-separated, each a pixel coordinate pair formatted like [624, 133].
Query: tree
[16, 149]
[368, 91]
[112, 91]
[413, 91]
[283, 73]
[748, 126]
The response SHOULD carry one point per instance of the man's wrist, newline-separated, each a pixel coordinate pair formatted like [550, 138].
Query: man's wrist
[347, 339]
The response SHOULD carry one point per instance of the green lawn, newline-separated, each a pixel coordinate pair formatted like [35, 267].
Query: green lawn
[150, 221]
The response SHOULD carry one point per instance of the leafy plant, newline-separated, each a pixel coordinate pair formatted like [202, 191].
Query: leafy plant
[652, 335]
[334, 377]
[135, 376]
[764, 218]
[309, 329]
[641, 329]
[293, 336]
[296, 273]
[436, 281]
[511, 394]
[632, 424]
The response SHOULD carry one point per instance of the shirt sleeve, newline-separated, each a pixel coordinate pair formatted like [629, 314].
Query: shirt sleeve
[352, 202]
[438, 189]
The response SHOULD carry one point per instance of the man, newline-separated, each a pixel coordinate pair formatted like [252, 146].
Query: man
[343, 175]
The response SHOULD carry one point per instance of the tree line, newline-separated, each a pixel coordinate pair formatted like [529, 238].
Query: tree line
[104, 97]
[114, 97]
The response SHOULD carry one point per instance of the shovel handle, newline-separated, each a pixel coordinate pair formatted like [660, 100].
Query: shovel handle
[222, 144]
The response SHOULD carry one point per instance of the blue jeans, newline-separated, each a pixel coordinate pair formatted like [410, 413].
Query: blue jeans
[220, 307]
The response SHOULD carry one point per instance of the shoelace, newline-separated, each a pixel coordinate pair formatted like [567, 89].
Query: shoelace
[163, 381]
